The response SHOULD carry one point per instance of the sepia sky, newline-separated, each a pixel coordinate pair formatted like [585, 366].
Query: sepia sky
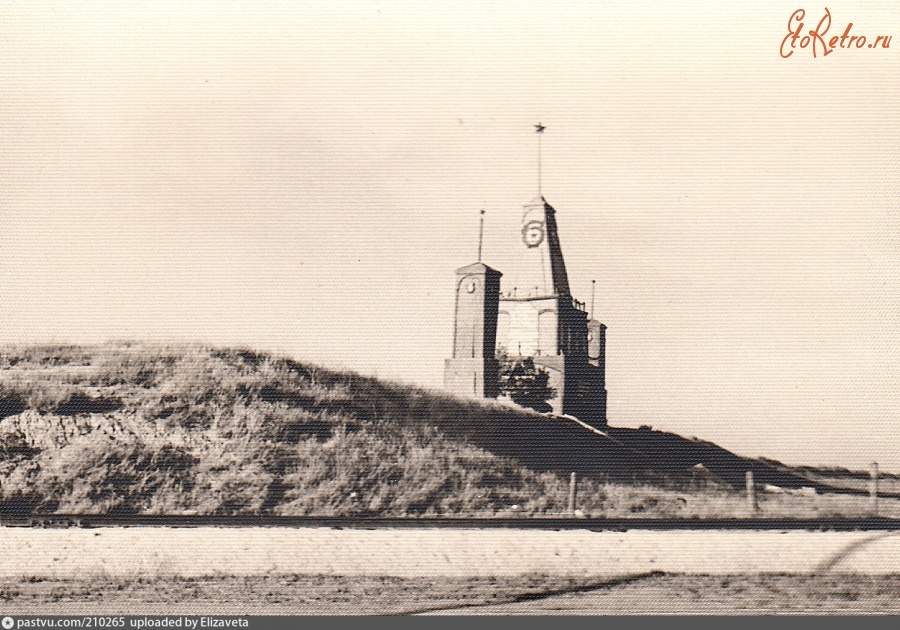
[306, 178]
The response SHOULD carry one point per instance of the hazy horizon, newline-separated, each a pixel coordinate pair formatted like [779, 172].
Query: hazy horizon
[306, 179]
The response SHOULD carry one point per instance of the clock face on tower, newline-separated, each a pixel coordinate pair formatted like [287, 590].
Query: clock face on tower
[533, 233]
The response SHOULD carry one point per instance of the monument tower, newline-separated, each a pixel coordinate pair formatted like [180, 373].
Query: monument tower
[537, 317]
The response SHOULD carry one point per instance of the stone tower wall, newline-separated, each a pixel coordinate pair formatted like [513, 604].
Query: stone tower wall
[473, 369]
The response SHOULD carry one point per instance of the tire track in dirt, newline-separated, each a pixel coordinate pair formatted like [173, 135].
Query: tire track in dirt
[535, 596]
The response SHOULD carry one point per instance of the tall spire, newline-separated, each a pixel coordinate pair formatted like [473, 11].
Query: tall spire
[480, 234]
[541, 271]
[539, 129]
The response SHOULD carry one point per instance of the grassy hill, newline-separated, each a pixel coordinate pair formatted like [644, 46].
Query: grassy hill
[151, 429]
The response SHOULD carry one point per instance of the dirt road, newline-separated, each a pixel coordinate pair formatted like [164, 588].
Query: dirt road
[196, 552]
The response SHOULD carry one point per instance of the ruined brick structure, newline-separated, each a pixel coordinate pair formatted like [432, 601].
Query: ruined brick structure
[533, 314]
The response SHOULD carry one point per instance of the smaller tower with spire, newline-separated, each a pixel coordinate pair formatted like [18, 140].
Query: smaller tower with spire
[473, 369]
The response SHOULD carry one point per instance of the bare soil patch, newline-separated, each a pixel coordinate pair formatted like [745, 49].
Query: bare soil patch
[531, 594]
[765, 594]
[283, 595]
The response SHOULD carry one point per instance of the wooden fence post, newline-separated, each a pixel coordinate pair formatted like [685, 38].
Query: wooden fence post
[572, 481]
[752, 505]
[873, 488]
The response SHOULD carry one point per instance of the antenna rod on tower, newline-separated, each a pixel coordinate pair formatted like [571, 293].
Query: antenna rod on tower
[593, 287]
[480, 234]
[539, 129]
